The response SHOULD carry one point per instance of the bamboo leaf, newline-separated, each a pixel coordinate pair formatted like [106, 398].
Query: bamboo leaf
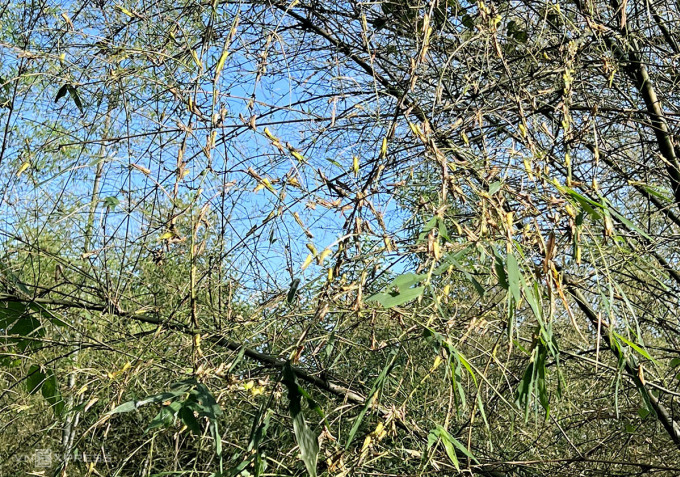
[305, 437]
[514, 277]
[374, 389]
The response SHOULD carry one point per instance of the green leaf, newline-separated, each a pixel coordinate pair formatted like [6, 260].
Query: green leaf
[259, 429]
[463, 449]
[61, 93]
[533, 296]
[50, 391]
[443, 231]
[634, 346]
[125, 407]
[478, 287]
[439, 433]
[22, 319]
[165, 417]
[406, 280]
[590, 206]
[292, 291]
[205, 404]
[500, 272]
[13, 279]
[514, 277]
[480, 406]
[46, 382]
[391, 299]
[658, 193]
[374, 389]
[35, 379]
[71, 90]
[630, 224]
[305, 437]
[675, 362]
[494, 187]
[450, 445]
[111, 202]
[450, 451]
[523, 393]
[464, 362]
[432, 223]
[176, 390]
[187, 416]
[217, 439]
[76, 98]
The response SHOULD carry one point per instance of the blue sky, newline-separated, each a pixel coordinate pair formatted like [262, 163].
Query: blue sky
[297, 100]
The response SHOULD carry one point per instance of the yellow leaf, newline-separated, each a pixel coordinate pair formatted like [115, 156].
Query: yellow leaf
[141, 169]
[413, 129]
[298, 156]
[222, 60]
[196, 59]
[307, 261]
[355, 165]
[115, 374]
[269, 134]
[312, 249]
[298, 220]
[436, 250]
[367, 443]
[379, 431]
[527, 167]
[166, 236]
[90, 403]
[388, 244]
[437, 362]
[383, 147]
[325, 253]
[268, 184]
[294, 182]
[125, 11]
[271, 215]
[23, 168]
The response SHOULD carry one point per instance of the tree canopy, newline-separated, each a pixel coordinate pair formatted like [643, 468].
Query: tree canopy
[339, 238]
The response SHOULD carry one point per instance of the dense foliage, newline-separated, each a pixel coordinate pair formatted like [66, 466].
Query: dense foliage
[339, 238]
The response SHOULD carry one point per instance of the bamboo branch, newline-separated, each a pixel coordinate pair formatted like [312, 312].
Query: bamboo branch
[632, 370]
